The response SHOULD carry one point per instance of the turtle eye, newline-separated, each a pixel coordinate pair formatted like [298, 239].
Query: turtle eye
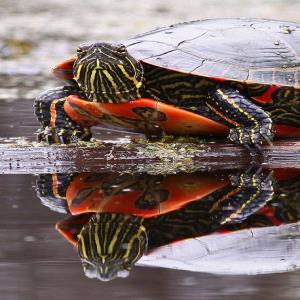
[121, 48]
[82, 49]
[80, 52]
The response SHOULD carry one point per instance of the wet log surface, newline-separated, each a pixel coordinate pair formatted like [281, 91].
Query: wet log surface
[19, 156]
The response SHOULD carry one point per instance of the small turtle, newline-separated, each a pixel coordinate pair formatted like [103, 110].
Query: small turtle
[221, 76]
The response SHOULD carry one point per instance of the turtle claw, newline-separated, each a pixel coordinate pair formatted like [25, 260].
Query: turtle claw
[251, 138]
[250, 149]
[267, 139]
[61, 139]
[48, 135]
[63, 135]
[153, 132]
[44, 135]
[254, 175]
[258, 147]
[48, 140]
[269, 177]
[39, 135]
[253, 149]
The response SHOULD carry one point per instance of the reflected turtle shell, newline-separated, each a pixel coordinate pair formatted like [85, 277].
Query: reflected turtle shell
[250, 251]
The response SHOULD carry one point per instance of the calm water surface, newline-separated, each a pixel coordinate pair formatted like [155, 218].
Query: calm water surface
[37, 262]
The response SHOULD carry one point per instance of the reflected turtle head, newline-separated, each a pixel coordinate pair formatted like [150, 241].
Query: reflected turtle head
[110, 244]
[107, 72]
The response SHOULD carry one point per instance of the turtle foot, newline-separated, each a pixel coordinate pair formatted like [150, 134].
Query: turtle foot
[52, 135]
[251, 138]
[252, 189]
[253, 177]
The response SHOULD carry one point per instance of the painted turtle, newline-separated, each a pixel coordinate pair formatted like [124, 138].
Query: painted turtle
[118, 218]
[219, 76]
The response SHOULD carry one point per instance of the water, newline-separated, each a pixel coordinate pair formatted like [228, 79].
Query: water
[37, 261]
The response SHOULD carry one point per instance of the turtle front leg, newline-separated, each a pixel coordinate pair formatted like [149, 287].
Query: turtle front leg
[250, 125]
[52, 188]
[57, 126]
[249, 192]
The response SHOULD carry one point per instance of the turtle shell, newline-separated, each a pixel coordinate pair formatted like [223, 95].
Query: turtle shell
[249, 50]
[250, 251]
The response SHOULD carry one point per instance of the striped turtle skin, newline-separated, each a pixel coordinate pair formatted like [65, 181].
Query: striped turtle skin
[125, 241]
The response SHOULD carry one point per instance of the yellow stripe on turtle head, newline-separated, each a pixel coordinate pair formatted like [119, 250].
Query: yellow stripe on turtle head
[110, 243]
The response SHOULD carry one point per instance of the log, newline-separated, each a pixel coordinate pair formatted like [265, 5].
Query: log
[21, 156]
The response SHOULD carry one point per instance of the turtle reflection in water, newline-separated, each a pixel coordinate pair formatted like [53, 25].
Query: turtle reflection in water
[117, 219]
[225, 76]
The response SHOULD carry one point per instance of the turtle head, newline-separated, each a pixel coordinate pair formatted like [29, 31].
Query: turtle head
[107, 73]
[109, 245]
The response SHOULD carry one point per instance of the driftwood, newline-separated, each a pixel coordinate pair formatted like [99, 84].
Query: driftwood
[21, 156]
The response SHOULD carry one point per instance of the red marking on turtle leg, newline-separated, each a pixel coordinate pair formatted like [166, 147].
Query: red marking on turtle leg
[55, 186]
[286, 131]
[267, 96]
[224, 198]
[53, 112]
[230, 121]
[286, 173]
[270, 214]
